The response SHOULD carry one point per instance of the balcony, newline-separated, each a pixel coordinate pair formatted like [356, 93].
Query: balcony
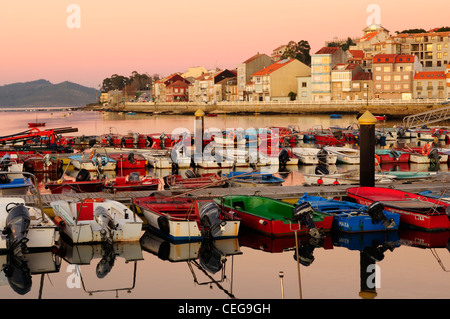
[419, 88]
[441, 88]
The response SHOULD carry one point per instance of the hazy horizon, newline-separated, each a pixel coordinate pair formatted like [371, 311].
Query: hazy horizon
[53, 41]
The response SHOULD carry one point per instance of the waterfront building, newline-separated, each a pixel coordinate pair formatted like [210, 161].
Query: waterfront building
[203, 86]
[304, 92]
[447, 73]
[430, 85]
[278, 81]
[432, 48]
[247, 68]
[226, 90]
[393, 75]
[177, 91]
[159, 87]
[362, 86]
[322, 62]
[341, 80]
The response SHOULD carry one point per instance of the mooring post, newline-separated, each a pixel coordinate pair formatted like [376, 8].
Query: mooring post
[367, 149]
[198, 135]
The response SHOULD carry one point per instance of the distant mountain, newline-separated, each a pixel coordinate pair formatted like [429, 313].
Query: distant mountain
[42, 93]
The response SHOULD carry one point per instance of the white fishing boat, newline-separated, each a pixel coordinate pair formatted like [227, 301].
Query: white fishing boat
[310, 156]
[345, 178]
[229, 141]
[24, 226]
[92, 163]
[96, 220]
[345, 155]
[239, 157]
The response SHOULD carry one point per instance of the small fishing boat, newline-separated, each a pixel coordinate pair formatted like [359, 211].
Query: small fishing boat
[345, 155]
[96, 220]
[24, 227]
[253, 179]
[81, 184]
[415, 210]
[93, 163]
[191, 180]
[42, 163]
[187, 219]
[405, 175]
[312, 156]
[274, 217]
[167, 158]
[132, 183]
[391, 156]
[352, 217]
[129, 161]
[36, 124]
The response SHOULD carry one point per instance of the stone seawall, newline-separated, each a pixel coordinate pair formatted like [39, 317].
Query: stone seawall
[397, 109]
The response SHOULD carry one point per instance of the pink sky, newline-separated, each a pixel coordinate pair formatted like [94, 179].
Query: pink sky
[169, 36]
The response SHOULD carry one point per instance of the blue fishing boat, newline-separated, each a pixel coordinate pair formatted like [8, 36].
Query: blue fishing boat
[253, 179]
[16, 186]
[352, 217]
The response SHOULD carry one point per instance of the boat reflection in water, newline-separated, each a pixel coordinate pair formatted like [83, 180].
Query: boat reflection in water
[208, 256]
[105, 255]
[17, 270]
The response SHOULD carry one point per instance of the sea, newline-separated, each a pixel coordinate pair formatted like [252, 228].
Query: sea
[403, 264]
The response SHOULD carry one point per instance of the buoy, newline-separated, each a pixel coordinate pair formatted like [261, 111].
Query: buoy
[59, 221]
[426, 149]
[320, 181]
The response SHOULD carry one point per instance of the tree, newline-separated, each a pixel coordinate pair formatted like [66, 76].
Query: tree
[298, 50]
[345, 46]
[414, 31]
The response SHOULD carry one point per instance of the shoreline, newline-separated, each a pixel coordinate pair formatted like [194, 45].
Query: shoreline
[395, 110]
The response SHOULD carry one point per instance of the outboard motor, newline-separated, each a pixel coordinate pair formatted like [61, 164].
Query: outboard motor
[106, 264]
[134, 177]
[106, 223]
[130, 157]
[5, 162]
[305, 254]
[16, 228]
[434, 155]
[321, 170]
[394, 154]
[322, 156]
[375, 211]
[209, 218]
[83, 176]
[110, 140]
[303, 213]
[283, 157]
[211, 258]
[18, 273]
[401, 132]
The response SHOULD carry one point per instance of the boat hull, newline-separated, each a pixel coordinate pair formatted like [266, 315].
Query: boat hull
[77, 187]
[261, 222]
[407, 205]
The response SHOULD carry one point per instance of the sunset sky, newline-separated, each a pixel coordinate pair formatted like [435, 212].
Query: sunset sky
[163, 37]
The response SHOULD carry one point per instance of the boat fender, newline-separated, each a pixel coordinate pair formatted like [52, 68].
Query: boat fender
[377, 160]
[262, 222]
[163, 224]
[59, 221]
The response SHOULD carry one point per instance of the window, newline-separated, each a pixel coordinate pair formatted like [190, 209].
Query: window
[378, 78]
[378, 68]
[387, 69]
[406, 77]
[406, 86]
[397, 78]
[387, 78]
[304, 84]
[387, 87]
[397, 87]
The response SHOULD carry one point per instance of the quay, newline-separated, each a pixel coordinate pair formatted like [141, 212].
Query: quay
[392, 108]
[288, 193]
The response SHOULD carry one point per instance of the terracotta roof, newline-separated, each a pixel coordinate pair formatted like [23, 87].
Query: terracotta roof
[413, 35]
[362, 76]
[430, 75]
[393, 58]
[368, 36]
[273, 67]
[258, 55]
[357, 54]
[328, 50]
[178, 84]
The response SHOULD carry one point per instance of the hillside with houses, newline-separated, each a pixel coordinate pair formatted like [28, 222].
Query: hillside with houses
[376, 66]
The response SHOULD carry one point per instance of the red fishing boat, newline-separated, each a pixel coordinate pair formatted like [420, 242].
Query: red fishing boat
[418, 211]
[193, 181]
[133, 183]
[36, 124]
[128, 161]
[81, 184]
[42, 163]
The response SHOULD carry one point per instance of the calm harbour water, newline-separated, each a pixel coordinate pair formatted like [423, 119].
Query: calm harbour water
[409, 265]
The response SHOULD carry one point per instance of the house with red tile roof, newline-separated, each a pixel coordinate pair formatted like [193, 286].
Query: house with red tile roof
[177, 91]
[159, 87]
[393, 75]
[278, 81]
[430, 85]
[341, 80]
[371, 34]
[203, 86]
